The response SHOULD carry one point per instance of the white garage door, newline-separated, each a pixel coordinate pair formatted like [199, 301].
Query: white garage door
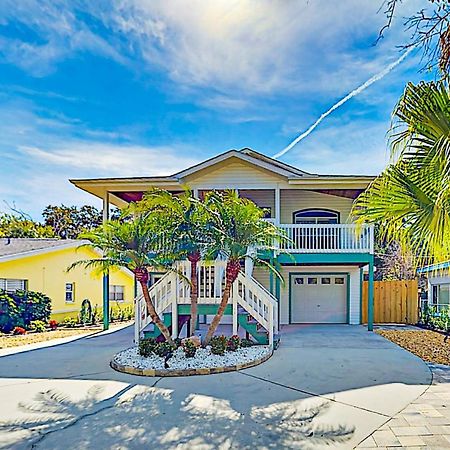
[319, 298]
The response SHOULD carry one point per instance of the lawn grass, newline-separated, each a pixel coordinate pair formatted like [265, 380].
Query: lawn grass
[426, 344]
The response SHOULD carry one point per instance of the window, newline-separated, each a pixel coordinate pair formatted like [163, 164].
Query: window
[326, 280]
[298, 280]
[70, 292]
[316, 216]
[116, 293]
[267, 212]
[312, 280]
[339, 280]
[13, 285]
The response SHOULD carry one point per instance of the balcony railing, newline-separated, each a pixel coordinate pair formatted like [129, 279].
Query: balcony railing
[333, 238]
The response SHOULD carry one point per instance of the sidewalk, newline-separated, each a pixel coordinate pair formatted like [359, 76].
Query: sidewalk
[424, 424]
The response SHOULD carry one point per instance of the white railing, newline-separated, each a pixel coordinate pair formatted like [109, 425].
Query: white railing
[332, 238]
[162, 294]
[174, 288]
[258, 302]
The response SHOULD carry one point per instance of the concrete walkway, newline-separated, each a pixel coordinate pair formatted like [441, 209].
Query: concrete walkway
[424, 424]
[326, 385]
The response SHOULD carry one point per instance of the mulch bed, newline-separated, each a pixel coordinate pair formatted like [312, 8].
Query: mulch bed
[426, 344]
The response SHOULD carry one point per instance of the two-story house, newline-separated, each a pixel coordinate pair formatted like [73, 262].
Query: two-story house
[322, 262]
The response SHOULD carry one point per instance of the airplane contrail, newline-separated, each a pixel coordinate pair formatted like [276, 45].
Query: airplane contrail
[356, 91]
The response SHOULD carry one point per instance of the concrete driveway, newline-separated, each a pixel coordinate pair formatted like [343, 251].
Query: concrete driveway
[325, 385]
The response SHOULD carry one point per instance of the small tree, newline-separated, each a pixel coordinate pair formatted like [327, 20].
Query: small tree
[187, 228]
[130, 243]
[238, 226]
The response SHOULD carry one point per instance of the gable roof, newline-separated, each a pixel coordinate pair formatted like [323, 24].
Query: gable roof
[20, 247]
[249, 156]
[292, 176]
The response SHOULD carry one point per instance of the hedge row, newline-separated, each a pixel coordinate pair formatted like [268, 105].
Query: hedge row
[20, 308]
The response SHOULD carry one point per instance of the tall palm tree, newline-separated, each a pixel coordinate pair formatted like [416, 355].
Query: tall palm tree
[411, 199]
[187, 228]
[130, 243]
[238, 226]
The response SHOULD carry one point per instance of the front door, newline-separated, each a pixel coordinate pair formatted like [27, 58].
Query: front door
[319, 298]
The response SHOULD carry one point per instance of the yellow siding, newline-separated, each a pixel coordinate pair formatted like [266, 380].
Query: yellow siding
[293, 200]
[47, 273]
[232, 173]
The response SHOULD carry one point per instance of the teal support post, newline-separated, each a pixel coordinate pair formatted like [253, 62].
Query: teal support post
[271, 280]
[370, 297]
[106, 301]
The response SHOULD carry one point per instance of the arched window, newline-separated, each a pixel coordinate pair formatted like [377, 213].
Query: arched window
[316, 216]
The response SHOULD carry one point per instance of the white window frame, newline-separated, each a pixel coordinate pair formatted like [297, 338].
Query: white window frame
[316, 216]
[115, 289]
[11, 284]
[69, 290]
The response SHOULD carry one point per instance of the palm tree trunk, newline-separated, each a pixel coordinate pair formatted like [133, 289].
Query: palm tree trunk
[218, 317]
[142, 278]
[232, 271]
[194, 258]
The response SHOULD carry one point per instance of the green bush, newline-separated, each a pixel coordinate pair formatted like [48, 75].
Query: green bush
[164, 349]
[38, 326]
[218, 345]
[190, 349]
[147, 347]
[86, 312]
[69, 322]
[246, 343]
[20, 308]
[431, 318]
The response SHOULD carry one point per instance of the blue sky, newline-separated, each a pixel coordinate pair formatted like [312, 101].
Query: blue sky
[141, 88]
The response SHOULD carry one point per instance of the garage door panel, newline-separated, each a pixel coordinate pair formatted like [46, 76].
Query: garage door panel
[319, 299]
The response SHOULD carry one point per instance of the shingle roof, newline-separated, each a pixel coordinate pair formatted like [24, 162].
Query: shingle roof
[16, 246]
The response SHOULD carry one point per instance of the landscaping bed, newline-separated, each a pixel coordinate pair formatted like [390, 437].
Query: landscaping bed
[11, 340]
[204, 362]
[426, 344]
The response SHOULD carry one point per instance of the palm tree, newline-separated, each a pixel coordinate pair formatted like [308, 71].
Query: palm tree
[411, 199]
[238, 226]
[130, 242]
[186, 227]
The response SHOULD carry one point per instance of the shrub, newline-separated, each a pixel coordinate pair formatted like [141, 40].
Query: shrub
[38, 326]
[147, 347]
[19, 330]
[246, 343]
[233, 343]
[164, 349]
[53, 324]
[69, 322]
[218, 345]
[21, 308]
[189, 348]
[178, 342]
[86, 312]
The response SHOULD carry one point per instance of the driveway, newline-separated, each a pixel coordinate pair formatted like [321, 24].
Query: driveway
[330, 385]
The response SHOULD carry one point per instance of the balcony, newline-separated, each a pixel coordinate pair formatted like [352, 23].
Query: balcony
[329, 238]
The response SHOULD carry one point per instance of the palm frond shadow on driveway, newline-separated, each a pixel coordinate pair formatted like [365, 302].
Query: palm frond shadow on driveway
[149, 416]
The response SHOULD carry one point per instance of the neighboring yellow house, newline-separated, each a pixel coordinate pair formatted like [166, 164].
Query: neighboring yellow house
[41, 265]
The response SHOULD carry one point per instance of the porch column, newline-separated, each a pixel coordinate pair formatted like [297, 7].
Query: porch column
[370, 296]
[277, 206]
[106, 275]
[277, 295]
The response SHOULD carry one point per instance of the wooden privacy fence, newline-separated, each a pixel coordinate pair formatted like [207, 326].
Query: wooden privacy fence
[394, 301]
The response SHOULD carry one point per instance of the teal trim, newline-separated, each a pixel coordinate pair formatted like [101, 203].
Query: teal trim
[361, 282]
[325, 258]
[370, 298]
[205, 309]
[348, 298]
[434, 267]
[319, 274]
[106, 301]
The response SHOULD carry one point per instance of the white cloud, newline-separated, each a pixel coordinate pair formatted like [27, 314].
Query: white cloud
[107, 159]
